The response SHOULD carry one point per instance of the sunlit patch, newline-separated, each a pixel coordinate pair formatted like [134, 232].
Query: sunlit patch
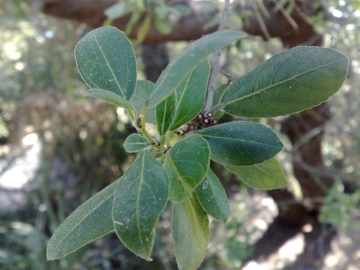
[293, 247]
[30, 139]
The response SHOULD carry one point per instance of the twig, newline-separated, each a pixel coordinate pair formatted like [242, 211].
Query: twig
[215, 62]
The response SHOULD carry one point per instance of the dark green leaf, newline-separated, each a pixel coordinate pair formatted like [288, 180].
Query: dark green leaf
[187, 60]
[186, 165]
[164, 113]
[289, 82]
[143, 90]
[190, 233]
[88, 222]
[105, 59]
[241, 143]
[212, 197]
[185, 103]
[114, 99]
[135, 143]
[267, 175]
[140, 198]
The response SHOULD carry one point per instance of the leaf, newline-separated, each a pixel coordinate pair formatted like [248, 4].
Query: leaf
[186, 165]
[218, 93]
[113, 99]
[212, 197]
[144, 29]
[106, 60]
[289, 82]
[163, 26]
[185, 103]
[135, 17]
[267, 175]
[241, 143]
[164, 113]
[117, 10]
[190, 233]
[140, 198]
[88, 222]
[143, 90]
[190, 95]
[187, 60]
[135, 143]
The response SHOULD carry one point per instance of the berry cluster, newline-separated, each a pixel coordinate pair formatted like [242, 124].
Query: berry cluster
[203, 122]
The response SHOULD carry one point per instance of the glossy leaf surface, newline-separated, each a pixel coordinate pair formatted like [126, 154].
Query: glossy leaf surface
[267, 175]
[135, 143]
[143, 90]
[140, 198]
[190, 233]
[186, 102]
[187, 60]
[186, 165]
[241, 143]
[291, 81]
[88, 222]
[105, 59]
[212, 197]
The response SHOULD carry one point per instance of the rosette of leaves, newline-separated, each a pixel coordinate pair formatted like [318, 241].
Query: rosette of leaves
[178, 170]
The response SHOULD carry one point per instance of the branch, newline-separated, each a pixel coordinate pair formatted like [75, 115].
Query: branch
[215, 62]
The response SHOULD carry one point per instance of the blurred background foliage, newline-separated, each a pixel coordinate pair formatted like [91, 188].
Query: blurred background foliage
[77, 143]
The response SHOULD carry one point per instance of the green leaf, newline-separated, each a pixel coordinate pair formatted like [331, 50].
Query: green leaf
[187, 60]
[106, 60]
[164, 113]
[143, 90]
[289, 82]
[135, 17]
[117, 10]
[113, 99]
[88, 222]
[185, 103]
[190, 95]
[267, 175]
[140, 198]
[212, 197]
[135, 143]
[190, 233]
[186, 165]
[144, 29]
[162, 25]
[218, 93]
[241, 143]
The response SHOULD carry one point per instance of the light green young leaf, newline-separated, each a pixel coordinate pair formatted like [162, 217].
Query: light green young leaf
[135, 17]
[241, 143]
[135, 143]
[187, 60]
[143, 90]
[117, 10]
[113, 99]
[212, 197]
[190, 233]
[186, 165]
[88, 222]
[185, 103]
[267, 175]
[106, 60]
[292, 81]
[140, 198]
[144, 29]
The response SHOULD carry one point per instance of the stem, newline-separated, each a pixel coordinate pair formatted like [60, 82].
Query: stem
[215, 62]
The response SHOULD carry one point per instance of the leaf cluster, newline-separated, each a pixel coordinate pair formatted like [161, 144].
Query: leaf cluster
[178, 170]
